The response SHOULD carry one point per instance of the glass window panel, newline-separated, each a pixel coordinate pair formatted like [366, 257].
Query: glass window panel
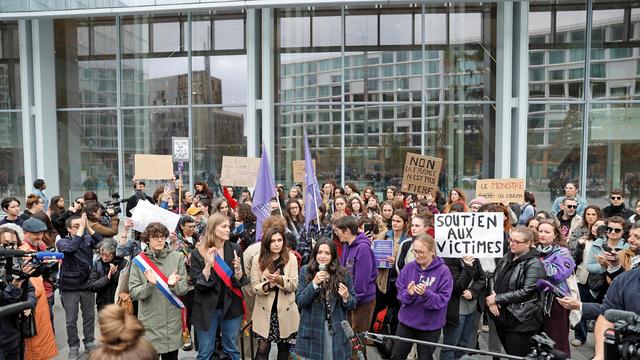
[86, 62]
[553, 155]
[11, 155]
[395, 29]
[217, 132]
[166, 35]
[434, 23]
[219, 79]
[88, 153]
[228, 34]
[321, 35]
[613, 151]
[295, 31]
[361, 30]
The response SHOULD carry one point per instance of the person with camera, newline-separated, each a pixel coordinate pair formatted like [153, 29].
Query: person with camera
[42, 344]
[13, 290]
[74, 273]
[105, 226]
[105, 273]
[138, 194]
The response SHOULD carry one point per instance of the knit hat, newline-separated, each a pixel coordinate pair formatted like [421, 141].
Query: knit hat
[478, 201]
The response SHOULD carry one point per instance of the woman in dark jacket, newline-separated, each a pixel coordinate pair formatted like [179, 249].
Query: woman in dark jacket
[320, 335]
[105, 273]
[514, 303]
[295, 218]
[244, 233]
[217, 299]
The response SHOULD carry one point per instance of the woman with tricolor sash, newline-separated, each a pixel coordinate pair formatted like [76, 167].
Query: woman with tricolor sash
[216, 269]
[157, 280]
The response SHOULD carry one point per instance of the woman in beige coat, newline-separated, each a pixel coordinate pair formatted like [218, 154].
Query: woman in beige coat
[274, 280]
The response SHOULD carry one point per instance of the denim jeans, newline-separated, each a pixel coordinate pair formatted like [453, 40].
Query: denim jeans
[581, 327]
[229, 330]
[71, 302]
[459, 335]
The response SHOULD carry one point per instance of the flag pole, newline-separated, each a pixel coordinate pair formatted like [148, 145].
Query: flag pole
[315, 201]
[278, 201]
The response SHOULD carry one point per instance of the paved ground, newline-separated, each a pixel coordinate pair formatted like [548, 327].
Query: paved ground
[583, 352]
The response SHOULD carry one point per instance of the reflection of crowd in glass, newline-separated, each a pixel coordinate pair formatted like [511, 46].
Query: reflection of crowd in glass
[197, 286]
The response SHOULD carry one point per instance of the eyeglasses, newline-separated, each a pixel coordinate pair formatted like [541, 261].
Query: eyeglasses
[616, 197]
[75, 226]
[516, 241]
[9, 245]
[190, 226]
[157, 238]
[572, 206]
[419, 252]
[614, 230]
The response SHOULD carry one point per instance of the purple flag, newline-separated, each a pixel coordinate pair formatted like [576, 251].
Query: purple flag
[312, 196]
[265, 191]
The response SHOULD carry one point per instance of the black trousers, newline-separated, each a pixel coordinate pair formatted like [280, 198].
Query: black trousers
[11, 350]
[170, 355]
[516, 343]
[401, 348]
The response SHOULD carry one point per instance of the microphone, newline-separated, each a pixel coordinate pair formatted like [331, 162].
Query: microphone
[614, 316]
[12, 253]
[544, 285]
[356, 344]
[322, 267]
[48, 255]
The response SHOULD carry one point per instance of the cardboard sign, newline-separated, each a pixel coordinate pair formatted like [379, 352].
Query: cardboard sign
[421, 174]
[298, 170]
[145, 213]
[153, 167]
[239, 171]
[476, 234]
[501, 190]
[180, 149]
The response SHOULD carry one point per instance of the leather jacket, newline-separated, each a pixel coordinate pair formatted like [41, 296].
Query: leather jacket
[520, 300]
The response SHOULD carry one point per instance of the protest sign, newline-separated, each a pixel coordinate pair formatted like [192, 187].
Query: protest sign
[153, 167]
[381, 250]
[501, 190]
[477, 234]
[239, 171]
[421, 174]
[298, 170]
[180, 149]
[145, 213]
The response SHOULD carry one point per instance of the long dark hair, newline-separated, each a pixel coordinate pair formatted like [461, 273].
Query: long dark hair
[337, 273]
[584, 217]
[265, 260]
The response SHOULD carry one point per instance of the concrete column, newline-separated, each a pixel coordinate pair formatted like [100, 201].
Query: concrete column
[253, 60]
[268, 98]
[520, 89]
[503, 89]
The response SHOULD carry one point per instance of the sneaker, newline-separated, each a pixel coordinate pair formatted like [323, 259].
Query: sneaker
[188, 346]
[576, 342]
[90, 346]
[74, 353]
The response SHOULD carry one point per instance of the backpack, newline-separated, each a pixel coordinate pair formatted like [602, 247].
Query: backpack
[382, 326]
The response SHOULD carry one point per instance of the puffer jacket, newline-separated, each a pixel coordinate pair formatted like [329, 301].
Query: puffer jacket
[162, 320]
[520, 310]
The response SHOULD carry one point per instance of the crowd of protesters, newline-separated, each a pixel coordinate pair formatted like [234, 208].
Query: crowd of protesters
[295, 282]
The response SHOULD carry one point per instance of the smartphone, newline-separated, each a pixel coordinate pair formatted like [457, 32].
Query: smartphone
[368, 228]
[607, 248]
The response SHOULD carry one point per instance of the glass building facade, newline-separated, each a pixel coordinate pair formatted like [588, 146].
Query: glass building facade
[542, 90]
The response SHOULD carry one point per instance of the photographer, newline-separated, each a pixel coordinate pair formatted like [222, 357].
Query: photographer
[12, 290]
[105, 273]
[74, 274]
[95, 212]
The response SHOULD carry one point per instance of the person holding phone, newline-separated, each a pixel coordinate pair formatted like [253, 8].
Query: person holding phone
[274, 280]
[602, 255]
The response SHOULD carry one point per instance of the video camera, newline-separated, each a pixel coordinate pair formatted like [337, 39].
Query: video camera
[113, 204]
[12, 262]
[623, 341]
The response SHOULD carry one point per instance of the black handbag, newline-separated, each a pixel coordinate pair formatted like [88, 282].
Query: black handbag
[28, 325]
[596, 282]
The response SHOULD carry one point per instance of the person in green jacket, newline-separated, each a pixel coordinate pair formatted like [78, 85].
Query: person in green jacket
[161, 319]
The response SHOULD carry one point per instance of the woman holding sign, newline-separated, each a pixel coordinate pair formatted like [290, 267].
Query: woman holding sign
[424, 289]
[216, 269]
[157, 280]
[274, 279]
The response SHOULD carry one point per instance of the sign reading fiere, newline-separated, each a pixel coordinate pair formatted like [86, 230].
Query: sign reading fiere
[501, 190]
[477, 234]
[421, 174]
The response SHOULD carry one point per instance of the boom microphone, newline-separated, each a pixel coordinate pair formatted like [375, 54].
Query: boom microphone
[48, 255]
[545, 286]
[12, 253]
[355, 340]
[614, 315]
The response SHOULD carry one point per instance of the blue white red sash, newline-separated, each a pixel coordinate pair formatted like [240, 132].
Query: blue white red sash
[225, 273]
[144, 263]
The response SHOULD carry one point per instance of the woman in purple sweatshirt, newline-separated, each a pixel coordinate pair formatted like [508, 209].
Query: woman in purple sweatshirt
[424, 289]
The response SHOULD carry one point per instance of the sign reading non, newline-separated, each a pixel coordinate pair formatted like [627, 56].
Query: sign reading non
[501, 190]
[298, 170]
[153, 167]
[239, 171]
[180, 149]
[477, 234]
[421, 174]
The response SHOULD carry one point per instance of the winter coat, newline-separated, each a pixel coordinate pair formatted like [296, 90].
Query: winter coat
[207, 292]
[427, 311]
[100, 283]
[78, 260]
[106, 231]
[593, 266]
[288, 315]
[10, 325]
[161, 319]
[558, 265]
[358, 258]
[621, 211]
[310, 341]
[519, 303]
[43, 345]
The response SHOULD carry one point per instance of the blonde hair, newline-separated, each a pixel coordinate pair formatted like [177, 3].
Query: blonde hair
[209, 237]
[426, 240]
[121, 337]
